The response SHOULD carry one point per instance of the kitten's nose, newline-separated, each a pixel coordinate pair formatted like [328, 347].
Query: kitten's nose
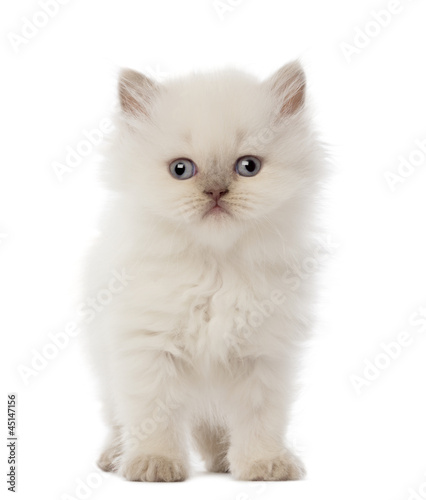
[217, 193]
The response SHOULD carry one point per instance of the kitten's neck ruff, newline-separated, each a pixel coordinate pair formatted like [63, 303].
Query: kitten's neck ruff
[250, 243]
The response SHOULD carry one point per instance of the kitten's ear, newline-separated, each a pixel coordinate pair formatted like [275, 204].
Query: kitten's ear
[289, 86]
[136, 92]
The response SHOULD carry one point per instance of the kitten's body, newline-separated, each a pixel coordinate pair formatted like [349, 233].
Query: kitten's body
[202, 335]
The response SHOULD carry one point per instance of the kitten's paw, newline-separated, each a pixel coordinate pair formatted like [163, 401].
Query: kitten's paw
[285, 467]
[108, 459]
[153, 468]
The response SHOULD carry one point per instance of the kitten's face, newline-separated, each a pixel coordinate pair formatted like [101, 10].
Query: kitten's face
[215, 154]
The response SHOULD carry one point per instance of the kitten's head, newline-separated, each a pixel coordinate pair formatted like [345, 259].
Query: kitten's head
[215, 154]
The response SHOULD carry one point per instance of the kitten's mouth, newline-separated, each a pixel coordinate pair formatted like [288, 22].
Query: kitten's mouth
[216, 210]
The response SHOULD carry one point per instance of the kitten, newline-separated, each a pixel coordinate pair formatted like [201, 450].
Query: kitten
[200, 314]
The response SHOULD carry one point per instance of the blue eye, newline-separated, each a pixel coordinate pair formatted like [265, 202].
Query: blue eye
[182, 169]
[248, 166]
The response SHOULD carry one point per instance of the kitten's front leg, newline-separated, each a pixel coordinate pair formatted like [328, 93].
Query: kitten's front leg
[258, 415]
[149, 399]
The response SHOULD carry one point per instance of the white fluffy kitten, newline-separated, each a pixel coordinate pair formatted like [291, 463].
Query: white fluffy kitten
[214, 180]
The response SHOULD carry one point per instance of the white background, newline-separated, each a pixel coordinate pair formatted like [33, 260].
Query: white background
[370, 108]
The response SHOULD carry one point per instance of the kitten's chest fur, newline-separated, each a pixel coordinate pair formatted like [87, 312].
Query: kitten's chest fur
[207, 308]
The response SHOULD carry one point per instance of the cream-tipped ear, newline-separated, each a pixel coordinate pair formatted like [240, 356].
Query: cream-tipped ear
[289, 86]
[136, 92]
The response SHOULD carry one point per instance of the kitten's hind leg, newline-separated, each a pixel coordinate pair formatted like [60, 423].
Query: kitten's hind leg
[212, 442]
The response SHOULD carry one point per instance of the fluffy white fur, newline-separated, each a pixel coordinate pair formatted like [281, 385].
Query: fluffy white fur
[201, 339]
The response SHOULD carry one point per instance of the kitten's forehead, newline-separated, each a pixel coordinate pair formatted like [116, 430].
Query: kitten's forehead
[213, 114]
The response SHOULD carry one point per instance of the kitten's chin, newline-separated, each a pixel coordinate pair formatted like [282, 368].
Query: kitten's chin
[217, 230]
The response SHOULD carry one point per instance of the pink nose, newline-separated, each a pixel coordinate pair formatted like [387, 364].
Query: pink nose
[216, 193]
